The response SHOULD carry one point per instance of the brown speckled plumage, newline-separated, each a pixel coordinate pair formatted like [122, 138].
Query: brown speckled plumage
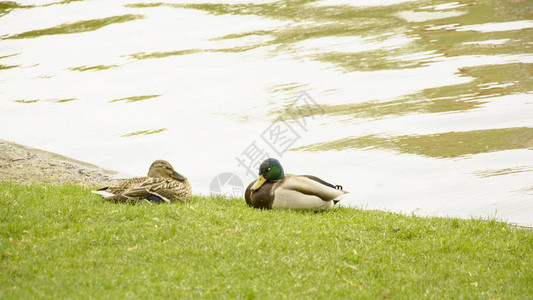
[162, 182]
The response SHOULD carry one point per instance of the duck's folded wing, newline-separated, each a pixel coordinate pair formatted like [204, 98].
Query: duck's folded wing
[320, 181]
[167, 189]
[136, 192]
[145, 189]
[123, 185]
[311, 186]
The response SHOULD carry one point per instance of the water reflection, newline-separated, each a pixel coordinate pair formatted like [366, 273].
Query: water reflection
[7, 6]
[505, 171]
[489, 81]
[47, 100]
[5, 67]
[441, 145]
[144, 132]
[135, 98]
[93, 68]
[143, 55]
[76, 27]
[433, 34]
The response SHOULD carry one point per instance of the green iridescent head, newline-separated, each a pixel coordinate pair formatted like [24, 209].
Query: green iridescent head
[270, 169]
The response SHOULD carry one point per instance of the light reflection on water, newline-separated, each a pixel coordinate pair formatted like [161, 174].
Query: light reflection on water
[425, 105]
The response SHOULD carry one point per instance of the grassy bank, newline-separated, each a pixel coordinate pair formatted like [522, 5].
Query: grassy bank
[64, 242]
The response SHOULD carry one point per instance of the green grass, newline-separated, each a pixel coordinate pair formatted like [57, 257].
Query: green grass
[64, 242]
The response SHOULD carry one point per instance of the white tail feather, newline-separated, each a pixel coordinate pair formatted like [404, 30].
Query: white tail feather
[103, 193]
[343, 197]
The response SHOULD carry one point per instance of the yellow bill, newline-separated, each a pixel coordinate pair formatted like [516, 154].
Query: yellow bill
[258, 183]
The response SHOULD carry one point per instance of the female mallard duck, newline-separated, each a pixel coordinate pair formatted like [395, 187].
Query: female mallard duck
[163, 184]
[274, 189]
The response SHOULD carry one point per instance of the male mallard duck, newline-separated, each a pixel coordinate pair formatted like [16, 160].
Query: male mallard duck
[163, 184]
[274, 189]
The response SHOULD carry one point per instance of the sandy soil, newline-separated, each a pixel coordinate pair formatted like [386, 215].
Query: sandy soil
[23, 164]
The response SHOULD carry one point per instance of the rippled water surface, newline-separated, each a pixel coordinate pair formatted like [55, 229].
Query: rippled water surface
[413, 106]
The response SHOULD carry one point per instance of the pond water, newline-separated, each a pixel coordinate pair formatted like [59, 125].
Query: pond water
[421, 107]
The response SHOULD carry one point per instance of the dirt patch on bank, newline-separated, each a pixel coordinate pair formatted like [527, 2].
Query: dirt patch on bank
[23, 164]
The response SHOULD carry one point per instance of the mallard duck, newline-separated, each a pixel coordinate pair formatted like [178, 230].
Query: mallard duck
[274, 189]
[163, 184]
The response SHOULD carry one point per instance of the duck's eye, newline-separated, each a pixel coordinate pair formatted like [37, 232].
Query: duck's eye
[269, 169]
